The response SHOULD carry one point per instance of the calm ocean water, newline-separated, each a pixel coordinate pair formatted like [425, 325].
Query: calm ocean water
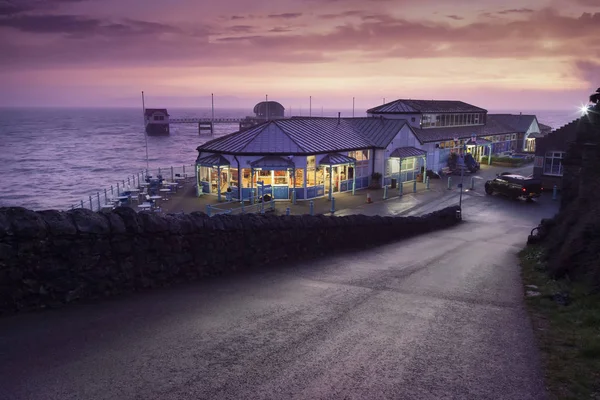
[53, 158]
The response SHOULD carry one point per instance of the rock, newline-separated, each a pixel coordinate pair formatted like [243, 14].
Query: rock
[59, 223]
[89, 222]
[531, 293]
[26, 223]
[531, 286]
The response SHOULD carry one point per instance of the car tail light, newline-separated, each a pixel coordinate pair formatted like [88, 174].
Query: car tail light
[524, 189]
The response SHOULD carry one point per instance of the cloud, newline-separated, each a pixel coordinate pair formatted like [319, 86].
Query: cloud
[589, 71]
[455, 17]
[280, 29]
[241, 28]
[13, 7]
[516, 11]
[350, 13]
[588, 3]
[286, 15]
[234, 17]
[82, 26]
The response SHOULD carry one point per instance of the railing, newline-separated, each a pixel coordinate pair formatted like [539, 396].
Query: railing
[205, 120]
[254, 208]
[97, 201]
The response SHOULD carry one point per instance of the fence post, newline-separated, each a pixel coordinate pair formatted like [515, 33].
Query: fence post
[128, 182]
[272, 203]
[262, 205]
[105, 196]
[332, 205]
[159, 171]
[81, 203]
[400, 188]
[98, 196]
[208, 210]
[112, 191]
[427, 182]
[554, 192]
[384, 193]
[312, 207]
[287, 211]
[91, 207]
[472, 183]
[184, 171]
[415, 186]
[449, 183]
[118, 191]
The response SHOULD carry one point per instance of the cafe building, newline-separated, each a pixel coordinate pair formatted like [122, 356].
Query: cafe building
[308, 158]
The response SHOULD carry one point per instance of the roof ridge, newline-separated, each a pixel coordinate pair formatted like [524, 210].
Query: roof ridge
[288, 135]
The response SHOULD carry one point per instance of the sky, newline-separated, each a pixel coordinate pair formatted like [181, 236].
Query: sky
[530, 54]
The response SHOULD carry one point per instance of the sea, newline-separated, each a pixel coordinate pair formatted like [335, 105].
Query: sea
[52, 158]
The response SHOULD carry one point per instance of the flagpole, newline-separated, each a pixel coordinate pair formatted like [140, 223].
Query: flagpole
[310, 106]
[353, 107]
[267, 107]
[212, 100]
[145, 132]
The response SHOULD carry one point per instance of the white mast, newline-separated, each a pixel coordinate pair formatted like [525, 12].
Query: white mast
[145, 131]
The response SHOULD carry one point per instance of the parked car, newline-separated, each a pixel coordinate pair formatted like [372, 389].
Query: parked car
[515, 186]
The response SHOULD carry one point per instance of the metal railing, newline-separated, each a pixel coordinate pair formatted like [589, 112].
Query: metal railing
[253, 208]
[97, 201]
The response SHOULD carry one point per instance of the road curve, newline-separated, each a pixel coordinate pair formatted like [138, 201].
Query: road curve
[435, 317]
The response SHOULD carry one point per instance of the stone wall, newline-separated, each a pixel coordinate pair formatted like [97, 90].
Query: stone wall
[49, 258]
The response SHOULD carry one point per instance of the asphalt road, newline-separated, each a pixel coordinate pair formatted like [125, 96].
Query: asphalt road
[435, 317]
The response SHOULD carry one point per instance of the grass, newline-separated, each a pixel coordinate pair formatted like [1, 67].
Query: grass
[568, 335]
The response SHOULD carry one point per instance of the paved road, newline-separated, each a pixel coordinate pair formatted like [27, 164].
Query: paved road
[436, 317]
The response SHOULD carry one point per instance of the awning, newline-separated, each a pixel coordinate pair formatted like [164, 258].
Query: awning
[273, 162]
[213, 160]
[535, 135]
[336, 159]
[408, 152]
[478, 142]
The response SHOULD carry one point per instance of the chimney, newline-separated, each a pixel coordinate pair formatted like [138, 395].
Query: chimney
[339, 117]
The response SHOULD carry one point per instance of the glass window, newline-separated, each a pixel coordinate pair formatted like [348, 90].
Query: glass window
[438, 120]
[299, 178]
[311, 161]
[553, 163]
[469, 119]
[476, 119]
[233, 177]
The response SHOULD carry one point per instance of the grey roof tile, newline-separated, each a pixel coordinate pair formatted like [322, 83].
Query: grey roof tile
[336, 159]
[407, 152]
[517, 122]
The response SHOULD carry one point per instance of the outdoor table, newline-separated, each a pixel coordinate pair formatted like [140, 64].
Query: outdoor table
[155, 197]
[107, 207]
[123, 197]
[145, 206]
[134, 190]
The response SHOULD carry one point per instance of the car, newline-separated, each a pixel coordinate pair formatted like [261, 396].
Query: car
[515, 186]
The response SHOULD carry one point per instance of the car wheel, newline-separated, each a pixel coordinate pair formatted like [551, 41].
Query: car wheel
[489, 190]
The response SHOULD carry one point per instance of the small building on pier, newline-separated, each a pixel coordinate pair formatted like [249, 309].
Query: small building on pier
[156, 121]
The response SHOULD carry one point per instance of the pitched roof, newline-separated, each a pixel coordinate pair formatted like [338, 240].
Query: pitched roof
[212, 159]
[544, 128]
[336, 159]
[273, 162]
[308, 136]
[407, 152]
[149, 111]
[520, 123]
[407, 106]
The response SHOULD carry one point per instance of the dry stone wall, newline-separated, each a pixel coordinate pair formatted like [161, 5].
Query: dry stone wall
[49, 258]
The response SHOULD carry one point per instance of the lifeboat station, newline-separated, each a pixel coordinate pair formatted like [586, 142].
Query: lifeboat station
[304, 158]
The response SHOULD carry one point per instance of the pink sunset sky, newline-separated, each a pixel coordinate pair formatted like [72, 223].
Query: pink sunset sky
[530, 54]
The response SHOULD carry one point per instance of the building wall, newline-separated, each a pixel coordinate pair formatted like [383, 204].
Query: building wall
[533, 128]
[556, 141]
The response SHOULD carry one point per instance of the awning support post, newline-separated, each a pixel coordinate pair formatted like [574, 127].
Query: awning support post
[219, 183]
[353, 178]
[330, 182]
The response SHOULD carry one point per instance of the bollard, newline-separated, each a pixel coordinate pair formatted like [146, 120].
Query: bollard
[353, 187]
[332, 205]
[294, 197]
[385, 192]
[242, 204]
[449, 183]
[287, 211]
[427, 182]
[272, 204]
[415, 186]
[459, 214]
[208, 210]
[312, 207]
[554, 192]
[262, 205]
[252, 196]
[472, 183]
[401, 189]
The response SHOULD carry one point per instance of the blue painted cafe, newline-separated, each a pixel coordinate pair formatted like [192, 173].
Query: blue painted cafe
[308, 158]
